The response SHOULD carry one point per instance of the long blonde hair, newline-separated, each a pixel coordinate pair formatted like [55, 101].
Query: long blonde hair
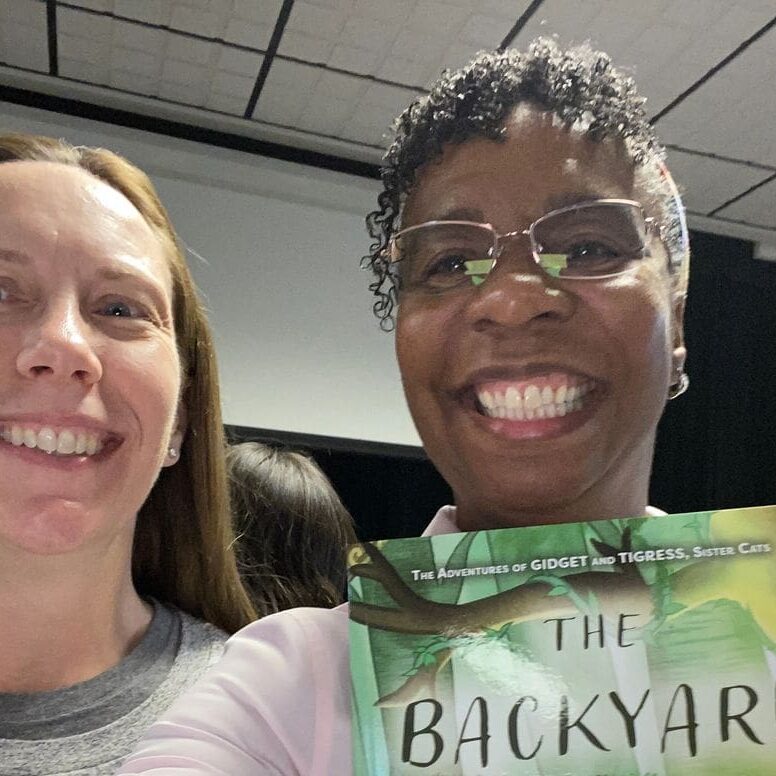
[183, 550]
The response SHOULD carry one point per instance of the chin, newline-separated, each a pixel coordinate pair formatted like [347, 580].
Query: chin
[57, 529]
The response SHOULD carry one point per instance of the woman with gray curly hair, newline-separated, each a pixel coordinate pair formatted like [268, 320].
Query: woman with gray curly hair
[530, 248]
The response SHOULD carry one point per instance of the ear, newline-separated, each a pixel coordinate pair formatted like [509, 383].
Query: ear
[177, 437]
[679, 354]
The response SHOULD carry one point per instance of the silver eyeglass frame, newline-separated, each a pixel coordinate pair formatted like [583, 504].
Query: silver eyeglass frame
[651, 226]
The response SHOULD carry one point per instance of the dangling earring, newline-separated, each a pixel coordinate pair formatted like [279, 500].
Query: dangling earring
[679, 387]
[172, 453]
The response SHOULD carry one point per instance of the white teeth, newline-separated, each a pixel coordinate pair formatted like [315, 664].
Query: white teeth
[80, 444]
[65, 442]
[533, 398]
[536, 403]
[512, 397]
[47, 440]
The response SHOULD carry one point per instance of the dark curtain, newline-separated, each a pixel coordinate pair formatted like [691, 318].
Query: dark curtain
[716, 444]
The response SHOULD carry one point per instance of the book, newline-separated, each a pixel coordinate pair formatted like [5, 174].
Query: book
[634, 647]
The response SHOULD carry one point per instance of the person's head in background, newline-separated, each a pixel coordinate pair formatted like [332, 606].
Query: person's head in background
[112, 441]
[293, 528]
[539, 341]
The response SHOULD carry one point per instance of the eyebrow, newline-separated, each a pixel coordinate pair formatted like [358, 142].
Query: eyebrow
[13, 257]
[460, 214]
[568, 198]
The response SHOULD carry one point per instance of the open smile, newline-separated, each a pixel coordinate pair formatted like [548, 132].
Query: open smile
[538, 405]
[543, 396]
[59, 442]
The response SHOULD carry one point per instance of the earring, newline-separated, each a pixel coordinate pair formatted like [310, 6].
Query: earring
[679, 387]
[172, 453]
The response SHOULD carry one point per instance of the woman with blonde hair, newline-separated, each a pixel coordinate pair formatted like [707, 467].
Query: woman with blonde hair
[117, 568]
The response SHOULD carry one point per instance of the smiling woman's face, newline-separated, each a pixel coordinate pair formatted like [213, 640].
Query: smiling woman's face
[523, 338]
[89, 371]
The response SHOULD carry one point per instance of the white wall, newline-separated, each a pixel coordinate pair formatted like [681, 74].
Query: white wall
[299, 349]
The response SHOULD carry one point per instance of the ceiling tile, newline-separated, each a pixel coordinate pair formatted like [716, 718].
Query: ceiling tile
[150, 11]
[94, 5]
[132, 82]
[136, 62]
[707, 183]
[663, 42]
[264, 13]
[226, 103]
[206, 23]
[253, 35]
[354, 59]
[287, 90]
[243, 63]
[186, 92]
[199, 52]
[757, 208]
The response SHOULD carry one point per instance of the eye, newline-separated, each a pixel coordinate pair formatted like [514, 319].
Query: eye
[122, 308]
[8, 291]
[591, 251]
[446, 266]
[593, 257]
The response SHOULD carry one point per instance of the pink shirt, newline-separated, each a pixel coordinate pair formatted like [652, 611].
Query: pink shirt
[277, 703]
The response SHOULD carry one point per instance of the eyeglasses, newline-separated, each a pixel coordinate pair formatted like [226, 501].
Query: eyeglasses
[589, 241]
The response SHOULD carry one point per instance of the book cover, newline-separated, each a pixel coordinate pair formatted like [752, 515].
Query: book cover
[635, 647]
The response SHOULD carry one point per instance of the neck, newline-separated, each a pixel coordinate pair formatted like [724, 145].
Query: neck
[622, 493]
[73, 617]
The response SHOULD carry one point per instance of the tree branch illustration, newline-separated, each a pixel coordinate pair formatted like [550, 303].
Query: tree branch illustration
[417, 615]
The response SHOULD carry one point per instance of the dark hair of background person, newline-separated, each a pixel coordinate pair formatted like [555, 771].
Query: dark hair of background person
[182, 552]
[293, 528]
[579, 85]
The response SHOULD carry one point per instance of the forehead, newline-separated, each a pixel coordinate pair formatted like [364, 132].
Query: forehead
[538, 165]
[51, 206]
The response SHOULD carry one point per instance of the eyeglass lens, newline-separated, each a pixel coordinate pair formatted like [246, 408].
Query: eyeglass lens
[588, 241]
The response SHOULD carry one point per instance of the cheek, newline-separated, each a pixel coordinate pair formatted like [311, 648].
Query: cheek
[420, 343]
[151, 376]
[638, 314]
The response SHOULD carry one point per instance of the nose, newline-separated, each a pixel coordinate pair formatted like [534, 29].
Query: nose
[517, 291]
[57, 346]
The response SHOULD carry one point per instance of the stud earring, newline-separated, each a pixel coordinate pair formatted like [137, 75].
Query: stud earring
[679, 387]
[172, 453]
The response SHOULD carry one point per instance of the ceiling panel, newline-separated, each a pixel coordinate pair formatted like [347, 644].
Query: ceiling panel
[757, 208]
[158, 63]
[407, 41]
[734, 113]
[666, 45]
[24, 22]
[707, 183]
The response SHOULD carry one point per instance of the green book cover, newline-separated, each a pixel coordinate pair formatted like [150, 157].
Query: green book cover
[634, 647]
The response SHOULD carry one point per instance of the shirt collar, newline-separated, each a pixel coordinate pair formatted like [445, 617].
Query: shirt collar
[444, 521]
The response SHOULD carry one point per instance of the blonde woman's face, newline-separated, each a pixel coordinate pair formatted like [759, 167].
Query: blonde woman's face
[89, 371]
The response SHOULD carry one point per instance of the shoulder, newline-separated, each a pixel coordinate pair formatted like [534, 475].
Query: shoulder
[295, 630]
[278, 700]
[200, 640]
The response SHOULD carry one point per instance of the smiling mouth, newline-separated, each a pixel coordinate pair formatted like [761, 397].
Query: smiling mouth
[64, 442]
[542, 397]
